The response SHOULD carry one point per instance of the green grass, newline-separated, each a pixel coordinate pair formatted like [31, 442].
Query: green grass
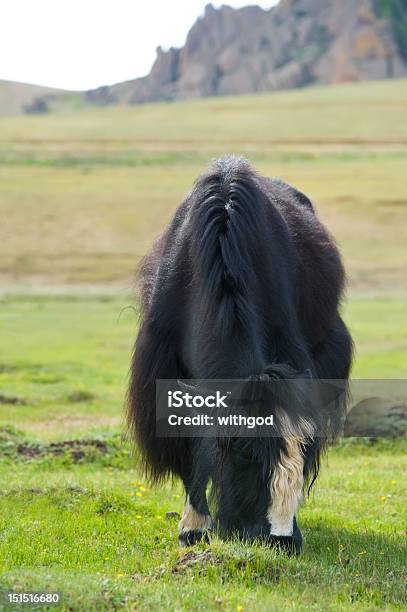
[379, 328]
[78, 517]
[66, 359]
[82, 197]
[57, 351]
[86, 532]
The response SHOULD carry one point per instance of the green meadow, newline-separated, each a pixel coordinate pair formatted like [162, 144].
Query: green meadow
[82, 197]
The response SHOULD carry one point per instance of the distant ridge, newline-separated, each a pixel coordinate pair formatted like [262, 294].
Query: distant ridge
[295, 44]
[17, 98]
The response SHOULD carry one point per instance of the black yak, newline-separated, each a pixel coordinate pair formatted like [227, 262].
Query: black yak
[244, 284]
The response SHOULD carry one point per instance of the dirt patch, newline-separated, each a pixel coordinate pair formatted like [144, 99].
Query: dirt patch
[109, 451]
[12, 400]
[231, 567]
[195, 559]
[77, 449]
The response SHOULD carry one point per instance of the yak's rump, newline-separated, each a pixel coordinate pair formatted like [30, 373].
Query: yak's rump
[244, 284]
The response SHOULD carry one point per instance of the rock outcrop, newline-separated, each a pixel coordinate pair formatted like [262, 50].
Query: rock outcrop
[235, 51]
[296, 43]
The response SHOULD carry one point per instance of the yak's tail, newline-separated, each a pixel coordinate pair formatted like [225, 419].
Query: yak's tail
[229, 219]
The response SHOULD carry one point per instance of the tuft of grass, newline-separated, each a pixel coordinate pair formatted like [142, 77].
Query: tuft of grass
[80, 396]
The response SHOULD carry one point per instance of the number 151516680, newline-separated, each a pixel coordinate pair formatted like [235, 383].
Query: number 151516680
[30, 598]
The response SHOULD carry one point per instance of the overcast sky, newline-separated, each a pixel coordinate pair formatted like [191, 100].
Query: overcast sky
[80, 44]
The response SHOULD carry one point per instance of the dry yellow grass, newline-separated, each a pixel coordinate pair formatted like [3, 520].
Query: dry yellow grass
[83, 195]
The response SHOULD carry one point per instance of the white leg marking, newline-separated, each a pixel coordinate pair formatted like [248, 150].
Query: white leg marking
[192, 520]
[286, 489]
[287, 482]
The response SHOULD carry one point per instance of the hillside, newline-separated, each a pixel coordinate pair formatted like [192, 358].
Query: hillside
[16, 98]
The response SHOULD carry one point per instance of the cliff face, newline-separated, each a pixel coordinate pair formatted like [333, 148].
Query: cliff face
[233, 51]
[299, 42]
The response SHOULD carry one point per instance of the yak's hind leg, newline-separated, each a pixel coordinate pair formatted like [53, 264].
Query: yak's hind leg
[196, 521]
[286, 493]
[300, 453]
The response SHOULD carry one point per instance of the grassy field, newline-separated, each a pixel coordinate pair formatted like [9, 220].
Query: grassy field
[78, 517]
[82, 196]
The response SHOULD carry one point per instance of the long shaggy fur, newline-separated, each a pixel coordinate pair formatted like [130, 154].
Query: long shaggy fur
[244, 284]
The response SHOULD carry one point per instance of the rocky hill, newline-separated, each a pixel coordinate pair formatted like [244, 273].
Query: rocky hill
[294, 44]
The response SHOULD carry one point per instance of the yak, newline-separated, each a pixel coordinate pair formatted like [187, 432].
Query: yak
[245, 284]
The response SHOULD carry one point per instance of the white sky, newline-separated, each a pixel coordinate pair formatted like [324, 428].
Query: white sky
[81, 44]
